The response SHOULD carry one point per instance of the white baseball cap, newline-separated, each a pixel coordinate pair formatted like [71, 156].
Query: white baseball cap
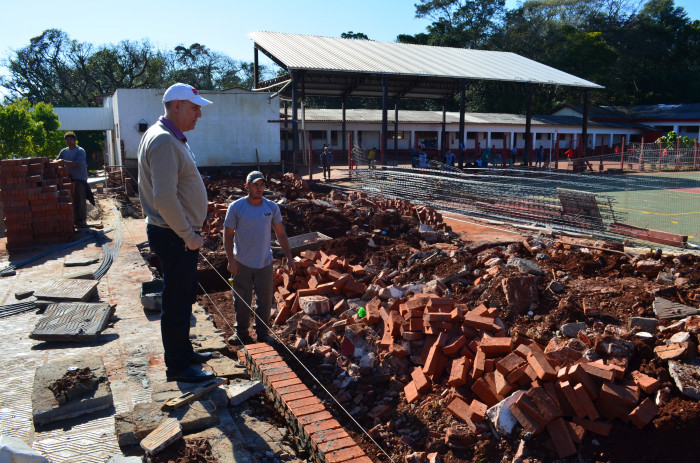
[181, 91]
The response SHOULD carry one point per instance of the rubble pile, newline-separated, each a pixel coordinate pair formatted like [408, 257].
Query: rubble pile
[438, 345]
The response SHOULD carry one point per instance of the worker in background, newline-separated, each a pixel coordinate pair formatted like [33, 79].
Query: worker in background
[449, 159]
[371, 157]
[247, 233]
[174, 199]
[539, 157]
[422, 158]
[75, 160]
[326, 161]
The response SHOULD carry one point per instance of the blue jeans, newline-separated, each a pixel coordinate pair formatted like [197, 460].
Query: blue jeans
[244, 282]
[179, 267]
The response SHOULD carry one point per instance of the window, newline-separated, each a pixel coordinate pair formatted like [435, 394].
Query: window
[390, 135]
[471, 135]
[318, 134]
[497, 136]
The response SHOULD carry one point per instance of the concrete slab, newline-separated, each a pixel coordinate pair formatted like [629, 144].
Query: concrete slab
[204, 334]
[46, 408]
[165, 434]
[67, 290]
[132, 427]
[72, 321]
[239, 391]
[80, 261]
[226, 367]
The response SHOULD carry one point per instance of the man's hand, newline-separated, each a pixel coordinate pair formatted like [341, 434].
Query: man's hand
[194, 243]
[291, 266]
[232, 267]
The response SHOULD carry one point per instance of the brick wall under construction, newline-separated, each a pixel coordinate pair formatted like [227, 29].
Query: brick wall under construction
[37, 202]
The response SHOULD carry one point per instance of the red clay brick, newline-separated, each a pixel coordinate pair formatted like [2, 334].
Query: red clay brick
[478, 411]
[646, 383]
[481, 323]
[515, 375]
[459, 371]
[544, 403]
[435, 362]
[532, 424]
[576, 432]
[288, 397]
[478, 367]
[585, 401]
[321, 426]
[292, 388]
[541, 365]
[336, 444]
[344, 455]
[578, 374]
[601, 428]
[559, 433]
[503, 387]
[460, 409]
[287, 382]
[455, 346]
[612, 409]
[411, 392]
[328, 435]
[307, 410]
[619, 394]
[305, 402]
[422, 383]
[315, 417]
[359, 460]
[644, 413]
[485, 389]
[597, 372]
[509, 363]
[494, 347]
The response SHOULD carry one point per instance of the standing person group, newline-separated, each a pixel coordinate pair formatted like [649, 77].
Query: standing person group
[174, 199]
[326, 161]
[75, 160]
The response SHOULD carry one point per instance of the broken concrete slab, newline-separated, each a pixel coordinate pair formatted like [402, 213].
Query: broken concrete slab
[45, 406]
[665, 309]
[226, 367]
[239, 391]
[124, 459]
[14, 450]
[570, 330]
[521, 293]
[686, 375]
[72, 321]
[165, 434]
[525, 266]
[131, 427]
[67, 290]
[501, 416]
[204, 335]
[644, 324]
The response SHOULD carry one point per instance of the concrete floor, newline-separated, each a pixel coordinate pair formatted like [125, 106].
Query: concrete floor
[130, 348]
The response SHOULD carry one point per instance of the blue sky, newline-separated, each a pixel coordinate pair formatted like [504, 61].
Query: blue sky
[220, 25]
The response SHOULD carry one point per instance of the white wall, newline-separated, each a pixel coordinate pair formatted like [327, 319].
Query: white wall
[228, 133]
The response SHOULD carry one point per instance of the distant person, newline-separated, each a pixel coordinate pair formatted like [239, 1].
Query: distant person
[539, 156]
[75, 160]
[174, 199]
[497, 157]
[248, 227]
[449, 158]
[326, 161]
[513, 155]
[422, 158]
[485, 157]
[371, 158]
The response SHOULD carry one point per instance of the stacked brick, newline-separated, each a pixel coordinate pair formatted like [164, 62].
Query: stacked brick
[37, 205]
[216, 213]
[305, 413]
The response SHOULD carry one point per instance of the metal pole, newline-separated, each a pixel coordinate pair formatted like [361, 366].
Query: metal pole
[462, 104]
[584, 128]
[622, 155]
[295, 124]
[396, 130]
[528, 125]
[343, 104]
[350, 162]
[311, 156]
[256, 70]
[641, 156]
[695, 155]
[444, 120]
[385, 91]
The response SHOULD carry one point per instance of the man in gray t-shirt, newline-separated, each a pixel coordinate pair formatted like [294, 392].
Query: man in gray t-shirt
[75, 160]
[247, 233]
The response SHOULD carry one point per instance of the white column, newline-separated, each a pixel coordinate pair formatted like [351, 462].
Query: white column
[439, 143]
[355, 140]
[611, 140]
[512, 140]
[676, 128]
[594, 140]
[488, 139]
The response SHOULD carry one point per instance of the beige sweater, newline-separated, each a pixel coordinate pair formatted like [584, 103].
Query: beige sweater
[171, 190]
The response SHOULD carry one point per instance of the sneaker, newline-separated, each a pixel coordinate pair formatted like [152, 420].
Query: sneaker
[241, 339]
[189, 375]
[265, 337]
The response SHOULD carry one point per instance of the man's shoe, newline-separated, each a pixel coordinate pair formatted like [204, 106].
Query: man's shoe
[190, 375]
[241, 339]
[200, 357]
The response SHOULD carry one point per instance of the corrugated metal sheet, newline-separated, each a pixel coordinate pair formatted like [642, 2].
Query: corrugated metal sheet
[85, 118]
[305, 52]
[435, 117]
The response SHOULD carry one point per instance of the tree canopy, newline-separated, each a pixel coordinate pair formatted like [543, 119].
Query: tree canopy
[27, 131]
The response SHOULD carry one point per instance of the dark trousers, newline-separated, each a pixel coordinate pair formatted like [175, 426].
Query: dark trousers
[244, 282]
[179, 267]
[79, 206]
[326, 170]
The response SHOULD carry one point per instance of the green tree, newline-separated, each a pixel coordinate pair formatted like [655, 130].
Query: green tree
[354, 35]
[457, 23]
[27, 131]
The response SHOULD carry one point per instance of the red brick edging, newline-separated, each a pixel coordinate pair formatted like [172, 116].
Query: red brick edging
[308, 417]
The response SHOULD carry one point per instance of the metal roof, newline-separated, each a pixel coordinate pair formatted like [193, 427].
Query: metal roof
[323, 55]
[435, 117]
[660, 112]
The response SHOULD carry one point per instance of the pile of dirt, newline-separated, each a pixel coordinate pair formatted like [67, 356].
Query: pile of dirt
[590, 282]
[197, 450]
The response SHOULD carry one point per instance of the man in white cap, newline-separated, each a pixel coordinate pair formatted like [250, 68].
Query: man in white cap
[247, 233]
[174, 199]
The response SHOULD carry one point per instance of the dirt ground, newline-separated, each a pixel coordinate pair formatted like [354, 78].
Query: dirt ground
[602, 286]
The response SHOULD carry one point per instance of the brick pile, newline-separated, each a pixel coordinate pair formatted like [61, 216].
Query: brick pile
[37, 205]
[306, 414]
